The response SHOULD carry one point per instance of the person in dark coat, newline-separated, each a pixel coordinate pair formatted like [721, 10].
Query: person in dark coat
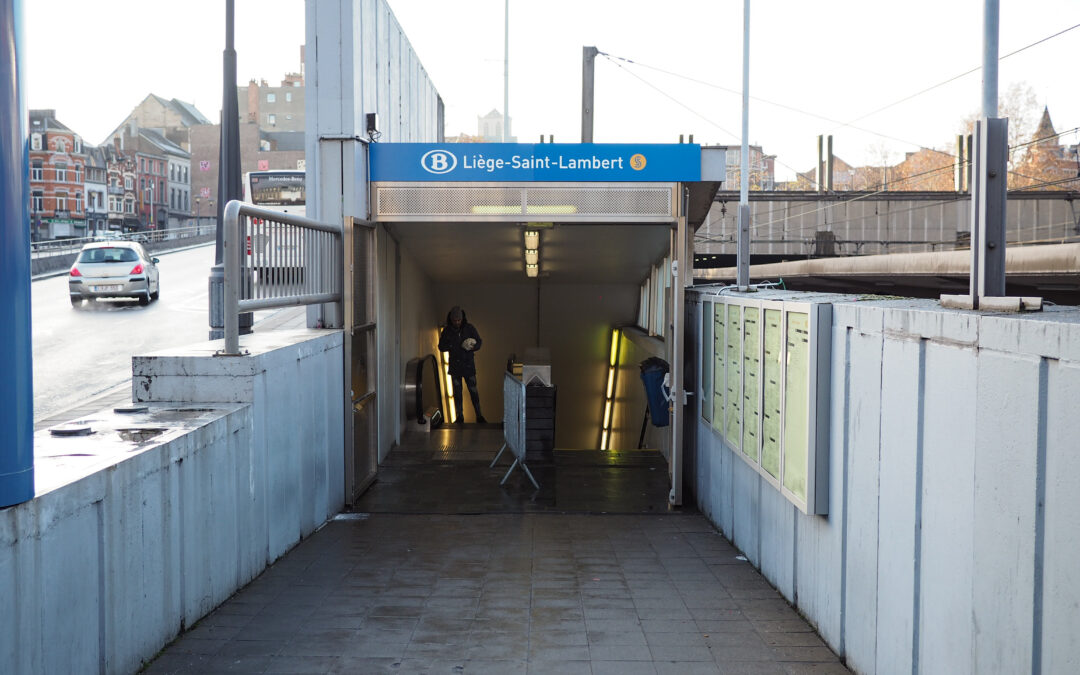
[461, 339]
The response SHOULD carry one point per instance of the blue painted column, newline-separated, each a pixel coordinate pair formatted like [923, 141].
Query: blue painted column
[16, 347]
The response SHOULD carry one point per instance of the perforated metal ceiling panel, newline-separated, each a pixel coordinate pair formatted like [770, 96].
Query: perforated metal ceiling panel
[551, 202]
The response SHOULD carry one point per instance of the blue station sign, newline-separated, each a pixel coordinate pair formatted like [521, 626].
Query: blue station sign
[535, 162]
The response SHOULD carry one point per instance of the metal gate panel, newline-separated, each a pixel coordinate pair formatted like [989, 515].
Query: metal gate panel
[525, 202]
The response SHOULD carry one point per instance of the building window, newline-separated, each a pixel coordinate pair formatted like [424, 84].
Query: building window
[36, 172]
[128, 183]
[37, 201]
[187, 202]
[61, 172]
[172, 198]
[129, 206]
[61, 145]
[78, 201]
[35, 141]
[142, 184]
[272, 119]
[288, 96]
[61, 201]
[271, 98]
[78, 169]
[142, 164]
[288, 117]
[185, 174]
[172, 171]
[78, 144]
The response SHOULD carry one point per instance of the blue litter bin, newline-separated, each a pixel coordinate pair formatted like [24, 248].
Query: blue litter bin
[653, 370]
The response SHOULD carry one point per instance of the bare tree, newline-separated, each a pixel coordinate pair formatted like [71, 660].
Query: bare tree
[1021, 106]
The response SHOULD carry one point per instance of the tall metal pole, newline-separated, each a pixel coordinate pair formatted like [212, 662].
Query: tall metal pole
[16, 346]
[742, 257]
[228, 176]
[506, 73]
[588, 72]
[989, 180]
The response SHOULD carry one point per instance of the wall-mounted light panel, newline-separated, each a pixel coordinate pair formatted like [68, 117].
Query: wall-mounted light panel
[768, 362]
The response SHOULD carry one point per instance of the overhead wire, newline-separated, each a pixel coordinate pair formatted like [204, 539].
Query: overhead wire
[615, 59]
[955, 77]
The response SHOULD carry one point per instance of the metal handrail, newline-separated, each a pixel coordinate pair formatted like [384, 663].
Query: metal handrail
[275, 259]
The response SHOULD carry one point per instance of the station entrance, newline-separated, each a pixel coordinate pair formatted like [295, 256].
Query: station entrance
[576, 253]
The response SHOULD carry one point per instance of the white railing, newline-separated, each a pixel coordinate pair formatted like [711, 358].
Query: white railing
[51, 247]
[275, 259]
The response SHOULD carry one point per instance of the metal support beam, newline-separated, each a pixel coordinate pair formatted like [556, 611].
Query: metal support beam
[743, 240]
[588, 72]
[16, 345]
[988, 202]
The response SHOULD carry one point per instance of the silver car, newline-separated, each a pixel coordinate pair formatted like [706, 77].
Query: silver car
[114, 269]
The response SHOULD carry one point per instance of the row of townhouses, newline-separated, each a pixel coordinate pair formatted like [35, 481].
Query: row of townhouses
[158, 169]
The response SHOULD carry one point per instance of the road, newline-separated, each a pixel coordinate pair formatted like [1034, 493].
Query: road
[84, 351]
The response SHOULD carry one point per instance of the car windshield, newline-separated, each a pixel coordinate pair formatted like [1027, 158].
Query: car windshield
[108, 255]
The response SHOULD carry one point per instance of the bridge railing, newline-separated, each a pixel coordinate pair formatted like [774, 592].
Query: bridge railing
[275, 259]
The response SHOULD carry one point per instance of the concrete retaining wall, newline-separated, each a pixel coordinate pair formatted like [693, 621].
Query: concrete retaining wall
[953, 533]
[127, 543]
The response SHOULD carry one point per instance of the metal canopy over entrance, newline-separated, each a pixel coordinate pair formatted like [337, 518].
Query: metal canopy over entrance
[613, 212]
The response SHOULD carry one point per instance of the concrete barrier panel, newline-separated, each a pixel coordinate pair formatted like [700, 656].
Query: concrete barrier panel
[1059, 593]
[900, 483]
[946, 568]
[1006, 456]
[863, 445]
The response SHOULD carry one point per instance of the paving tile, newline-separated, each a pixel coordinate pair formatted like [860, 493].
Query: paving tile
[834, 668]
[687, 668]
[750, 668]
[619, 653]
[557, 667]
[678, 653]
[505, 589]
[301, 665]
[603, 667]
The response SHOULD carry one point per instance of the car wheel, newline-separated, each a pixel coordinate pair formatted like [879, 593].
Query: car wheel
[144, 299]
[76, 301]
[156, 294]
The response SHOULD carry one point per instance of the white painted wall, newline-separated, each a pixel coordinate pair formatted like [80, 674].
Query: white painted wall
[953, 531]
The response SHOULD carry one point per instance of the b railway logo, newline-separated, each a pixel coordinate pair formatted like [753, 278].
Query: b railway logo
[438, 161]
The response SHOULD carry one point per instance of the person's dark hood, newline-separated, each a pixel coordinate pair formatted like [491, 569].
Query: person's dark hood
[464, 318]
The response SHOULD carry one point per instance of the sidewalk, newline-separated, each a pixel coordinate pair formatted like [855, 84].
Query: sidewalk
[415, 584]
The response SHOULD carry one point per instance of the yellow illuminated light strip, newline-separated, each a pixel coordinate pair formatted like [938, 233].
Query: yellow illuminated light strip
[448, 390]
[609, 397]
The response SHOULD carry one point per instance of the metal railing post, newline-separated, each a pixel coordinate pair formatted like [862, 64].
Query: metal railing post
[232, 278]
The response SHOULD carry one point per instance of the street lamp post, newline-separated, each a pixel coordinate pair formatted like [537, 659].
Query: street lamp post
[228, 181]
[198, 216]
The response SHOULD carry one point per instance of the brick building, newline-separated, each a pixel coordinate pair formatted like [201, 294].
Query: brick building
[96, 186]
[57, 164]
[121, 188]
[279, 109]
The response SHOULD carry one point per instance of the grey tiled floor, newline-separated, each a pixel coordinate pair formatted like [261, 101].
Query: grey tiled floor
[506, 580]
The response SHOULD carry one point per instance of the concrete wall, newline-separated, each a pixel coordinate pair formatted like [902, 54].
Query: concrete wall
[951, 541]
[128, 542]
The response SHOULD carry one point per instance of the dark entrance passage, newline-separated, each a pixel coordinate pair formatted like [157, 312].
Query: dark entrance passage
[447, 471]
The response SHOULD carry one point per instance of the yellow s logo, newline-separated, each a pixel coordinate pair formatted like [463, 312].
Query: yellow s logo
[637, 162]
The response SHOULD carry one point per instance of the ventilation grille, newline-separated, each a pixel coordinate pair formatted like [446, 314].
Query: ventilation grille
[571, 203]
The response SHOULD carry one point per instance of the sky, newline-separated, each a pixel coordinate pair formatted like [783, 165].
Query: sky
[882, 78]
